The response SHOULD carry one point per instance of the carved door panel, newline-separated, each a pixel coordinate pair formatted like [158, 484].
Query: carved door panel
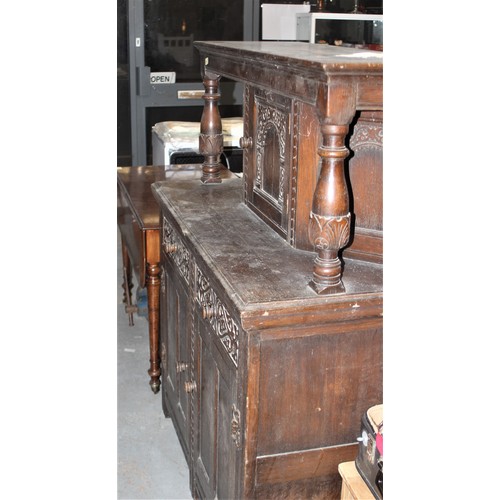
[269, 120]
[217, 429]
[175, 353]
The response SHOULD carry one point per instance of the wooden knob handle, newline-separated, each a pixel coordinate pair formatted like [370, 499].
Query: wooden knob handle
[181, 367]
[190, 386]
[246, 142]
[207, 312]
[171, 248]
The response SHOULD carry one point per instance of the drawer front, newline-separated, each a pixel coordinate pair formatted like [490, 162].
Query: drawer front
[175, 250]
[134, 240]
[216, 315]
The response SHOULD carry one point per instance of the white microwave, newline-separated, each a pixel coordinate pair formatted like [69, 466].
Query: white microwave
[340, 29]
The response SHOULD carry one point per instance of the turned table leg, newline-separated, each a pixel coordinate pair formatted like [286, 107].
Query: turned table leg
[211, 139]
[153, 289]
[127, 284]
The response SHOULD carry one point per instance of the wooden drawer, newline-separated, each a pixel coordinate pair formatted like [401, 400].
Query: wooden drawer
[133, 238]
[217, 318]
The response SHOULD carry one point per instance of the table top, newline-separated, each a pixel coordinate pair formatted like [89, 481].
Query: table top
[322, 75]
[300, 55]
[135, 185]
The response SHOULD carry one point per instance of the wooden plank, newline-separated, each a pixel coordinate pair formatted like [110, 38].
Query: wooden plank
[353, 486]
[303, 464]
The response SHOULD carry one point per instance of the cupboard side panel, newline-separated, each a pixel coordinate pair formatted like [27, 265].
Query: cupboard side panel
[313, 389]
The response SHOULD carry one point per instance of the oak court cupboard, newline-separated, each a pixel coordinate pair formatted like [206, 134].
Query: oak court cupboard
[271, 282]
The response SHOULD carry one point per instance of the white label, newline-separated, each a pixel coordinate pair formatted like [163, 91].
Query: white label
[162, 77]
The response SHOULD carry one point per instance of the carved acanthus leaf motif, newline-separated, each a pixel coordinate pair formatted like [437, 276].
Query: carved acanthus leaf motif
[329, 233]
[210, 143]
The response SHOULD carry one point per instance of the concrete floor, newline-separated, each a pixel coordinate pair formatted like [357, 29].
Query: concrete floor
[151, 464]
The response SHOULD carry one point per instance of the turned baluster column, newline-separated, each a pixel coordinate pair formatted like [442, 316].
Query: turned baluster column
[211, 138]
[330, 218]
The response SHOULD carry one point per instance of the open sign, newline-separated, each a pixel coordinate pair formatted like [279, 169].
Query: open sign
[162, 77]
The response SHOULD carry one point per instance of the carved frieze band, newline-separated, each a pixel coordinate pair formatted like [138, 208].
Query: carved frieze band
[176, 250]
[270, 117]
[219, 318]
[366, 136]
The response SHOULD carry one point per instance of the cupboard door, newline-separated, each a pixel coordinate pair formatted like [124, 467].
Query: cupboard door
[218, 432]
[282, 137]
[175, 344]
[268, 119]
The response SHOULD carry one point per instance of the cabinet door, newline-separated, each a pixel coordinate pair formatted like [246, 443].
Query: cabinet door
[175, 352]
[281, 162]
[218, 433]
[268, 123]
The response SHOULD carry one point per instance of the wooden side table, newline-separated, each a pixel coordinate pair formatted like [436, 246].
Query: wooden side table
[353, 486]
[139, 224]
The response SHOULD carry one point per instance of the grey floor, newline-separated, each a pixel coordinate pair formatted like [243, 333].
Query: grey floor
[151, 464]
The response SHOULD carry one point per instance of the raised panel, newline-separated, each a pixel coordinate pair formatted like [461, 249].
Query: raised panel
[229, 442]
[366, 185]
[207, 425]
[219, 434]
[175, 354]
[268, 165]
[312, 388]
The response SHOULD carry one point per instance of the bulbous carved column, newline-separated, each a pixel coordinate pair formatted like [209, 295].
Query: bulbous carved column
[330, 219]
[153, 288]
[211, 139]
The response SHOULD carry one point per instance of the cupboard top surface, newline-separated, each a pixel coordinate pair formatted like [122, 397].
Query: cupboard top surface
[253, 263]
[323, 58]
